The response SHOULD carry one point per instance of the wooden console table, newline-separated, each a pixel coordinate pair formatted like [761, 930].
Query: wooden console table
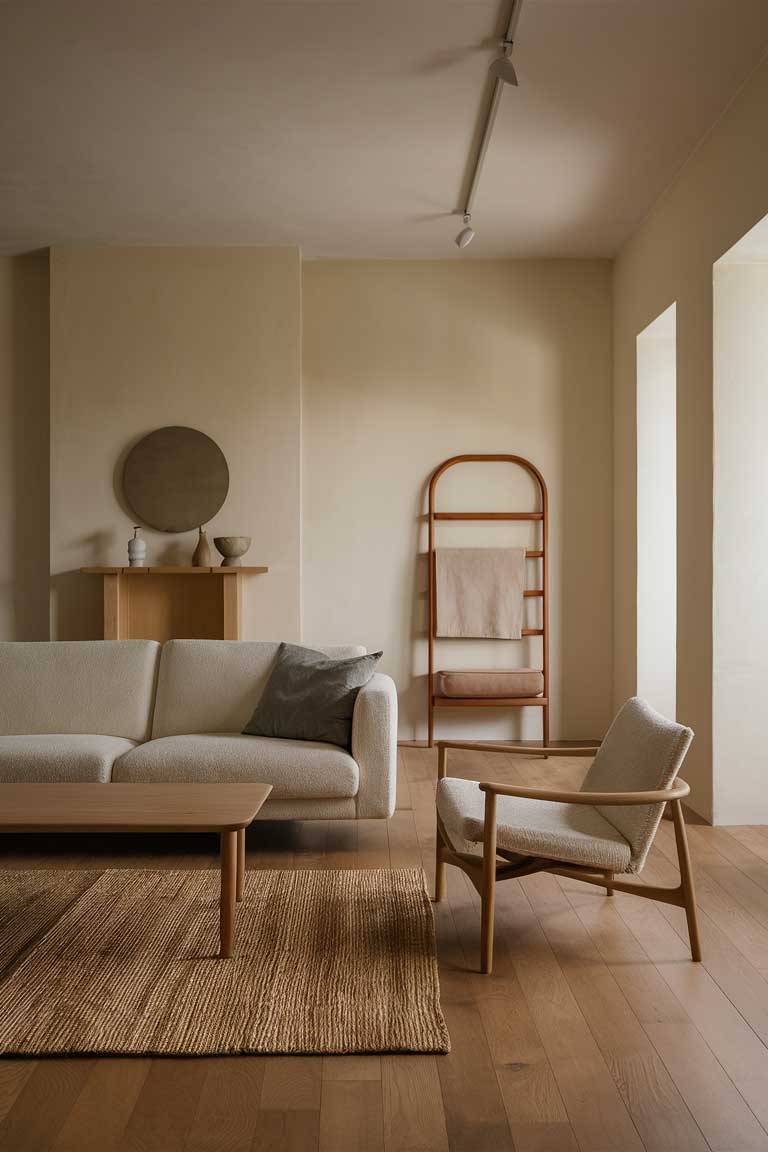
[172, 603]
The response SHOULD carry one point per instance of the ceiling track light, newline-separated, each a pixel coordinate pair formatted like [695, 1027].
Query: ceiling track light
[467, 234]
[503, 72]
[502, 67]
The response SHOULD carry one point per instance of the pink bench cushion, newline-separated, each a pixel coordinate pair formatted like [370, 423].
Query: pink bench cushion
[503, 683]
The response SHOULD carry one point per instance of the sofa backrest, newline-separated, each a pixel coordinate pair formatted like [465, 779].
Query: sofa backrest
[214, 685]
[98, 687]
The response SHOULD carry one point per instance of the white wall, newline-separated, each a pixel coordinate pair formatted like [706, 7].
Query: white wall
[657, 514]
[405, 364]
[740, 585]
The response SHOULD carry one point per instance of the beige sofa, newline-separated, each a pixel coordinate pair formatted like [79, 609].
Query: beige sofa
[132, 712]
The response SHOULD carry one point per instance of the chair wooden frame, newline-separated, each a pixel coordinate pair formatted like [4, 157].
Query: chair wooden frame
[499, 864]
[539, 593]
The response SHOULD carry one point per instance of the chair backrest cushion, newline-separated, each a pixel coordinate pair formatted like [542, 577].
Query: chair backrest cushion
[642, 752]
[88, 687]
[214, 685]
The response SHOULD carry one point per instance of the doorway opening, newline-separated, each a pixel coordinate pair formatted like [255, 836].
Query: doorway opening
[657, 513]
[740, 536]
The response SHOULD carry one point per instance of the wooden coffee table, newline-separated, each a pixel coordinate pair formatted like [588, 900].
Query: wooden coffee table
[224, 808]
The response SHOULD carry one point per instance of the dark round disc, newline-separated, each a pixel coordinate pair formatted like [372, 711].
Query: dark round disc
[175, 479]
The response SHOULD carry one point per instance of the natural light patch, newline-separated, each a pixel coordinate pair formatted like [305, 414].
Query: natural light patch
[740, 529]
[657, 513]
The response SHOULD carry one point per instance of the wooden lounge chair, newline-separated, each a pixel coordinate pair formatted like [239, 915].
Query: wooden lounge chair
[498, 831]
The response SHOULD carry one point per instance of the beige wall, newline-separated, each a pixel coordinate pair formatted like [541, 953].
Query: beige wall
[720, 193]
[405, 364]
[24, 447]
[144, 337]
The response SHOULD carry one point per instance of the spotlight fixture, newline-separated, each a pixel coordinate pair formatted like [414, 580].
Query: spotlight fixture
[503, 69]
[467, 234]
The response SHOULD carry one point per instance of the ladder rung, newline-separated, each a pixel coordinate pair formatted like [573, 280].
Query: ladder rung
[490, 701]
[489, 515]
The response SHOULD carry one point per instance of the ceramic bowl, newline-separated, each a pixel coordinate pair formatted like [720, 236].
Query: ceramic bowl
[232, 548]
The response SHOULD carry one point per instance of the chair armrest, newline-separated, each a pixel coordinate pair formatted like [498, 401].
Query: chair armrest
[519, 749]
[374, 746]
[560, 796]
[507, 749]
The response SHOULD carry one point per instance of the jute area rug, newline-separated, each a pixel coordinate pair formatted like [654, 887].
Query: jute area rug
[124, 962]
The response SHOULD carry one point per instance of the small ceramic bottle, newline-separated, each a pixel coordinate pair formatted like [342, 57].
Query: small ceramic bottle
[137, 550]
[201, 557]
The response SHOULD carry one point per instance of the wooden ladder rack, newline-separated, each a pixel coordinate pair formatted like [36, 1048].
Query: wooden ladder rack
[536, 593]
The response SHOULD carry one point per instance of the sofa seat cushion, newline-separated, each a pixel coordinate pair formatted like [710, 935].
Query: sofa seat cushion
[296, 769]
[574, 833]
[501, 683]
[60, 758]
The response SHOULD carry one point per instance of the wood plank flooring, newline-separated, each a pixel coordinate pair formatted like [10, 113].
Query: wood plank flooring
[595, 1032]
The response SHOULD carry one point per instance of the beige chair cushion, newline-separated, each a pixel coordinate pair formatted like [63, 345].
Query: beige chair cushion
[296, 769]
[104, 687]
[573, 833]
[508, 683]
[55, 758]
[642, 752]
[214, 685]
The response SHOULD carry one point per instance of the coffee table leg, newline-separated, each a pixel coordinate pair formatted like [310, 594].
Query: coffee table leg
[240, 862]
[228, 891]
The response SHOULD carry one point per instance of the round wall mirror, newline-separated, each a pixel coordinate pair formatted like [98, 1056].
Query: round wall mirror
[175, 479]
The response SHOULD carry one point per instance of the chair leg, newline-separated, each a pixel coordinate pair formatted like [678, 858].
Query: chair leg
[442, 762]
[489, 884]
[439, 867]
[686, 879]
[609, 883]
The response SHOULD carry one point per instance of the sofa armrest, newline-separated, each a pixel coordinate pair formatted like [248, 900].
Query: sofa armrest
[374, 746]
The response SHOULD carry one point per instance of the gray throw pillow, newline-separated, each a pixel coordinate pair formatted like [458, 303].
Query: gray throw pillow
[310, 696]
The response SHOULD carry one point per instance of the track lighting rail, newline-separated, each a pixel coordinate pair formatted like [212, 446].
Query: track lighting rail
[503, 72]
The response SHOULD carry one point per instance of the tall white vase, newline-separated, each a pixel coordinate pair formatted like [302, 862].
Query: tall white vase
[137, 550]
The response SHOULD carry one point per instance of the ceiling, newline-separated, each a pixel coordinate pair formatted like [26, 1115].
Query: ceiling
[345, 126]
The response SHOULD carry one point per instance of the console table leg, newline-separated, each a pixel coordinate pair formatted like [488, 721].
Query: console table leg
[240, 862]
[228, 891]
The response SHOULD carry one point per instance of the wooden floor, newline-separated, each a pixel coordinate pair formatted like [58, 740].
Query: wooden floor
[595, 1032]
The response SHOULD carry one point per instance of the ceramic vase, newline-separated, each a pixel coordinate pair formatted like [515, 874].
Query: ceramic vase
[201, 557]
[137, 550]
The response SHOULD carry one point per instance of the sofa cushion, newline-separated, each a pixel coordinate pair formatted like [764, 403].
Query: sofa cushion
[57, 758]
[104, 687]
[508, 683]
[296, 769]
[214, 685]
[311, 696]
